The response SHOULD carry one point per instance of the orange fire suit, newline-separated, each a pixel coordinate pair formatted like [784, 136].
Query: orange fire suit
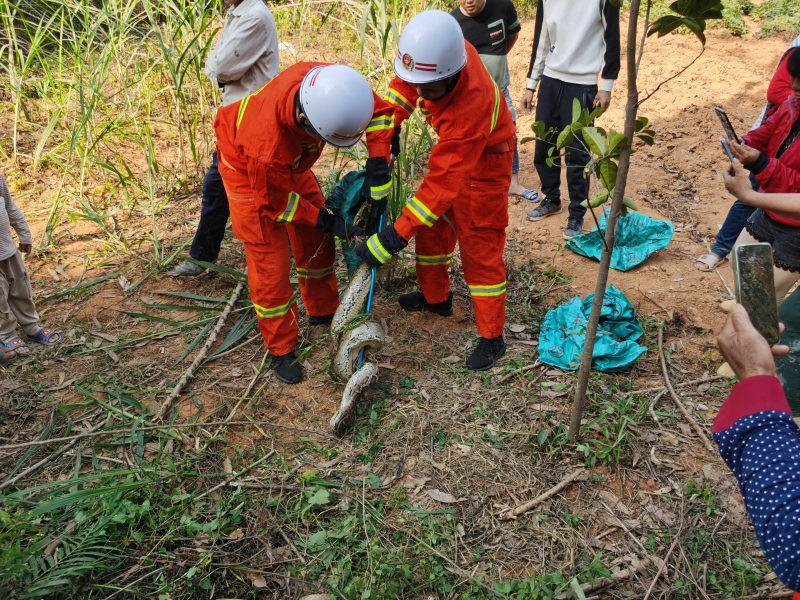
[265, 160]
[468, 180]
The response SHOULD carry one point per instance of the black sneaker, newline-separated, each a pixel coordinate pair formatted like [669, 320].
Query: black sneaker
[486, 354]
[287, 369]
[547, 208]
[574, 227]
[415, 302]
[324, 320]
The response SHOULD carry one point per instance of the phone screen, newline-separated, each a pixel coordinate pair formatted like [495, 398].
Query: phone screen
[726, 125]
[755, 288]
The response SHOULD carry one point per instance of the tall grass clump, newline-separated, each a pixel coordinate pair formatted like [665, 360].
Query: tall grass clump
[110, 96]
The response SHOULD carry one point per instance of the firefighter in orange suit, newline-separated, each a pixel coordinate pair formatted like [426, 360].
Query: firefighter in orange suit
[464, 196]
[267, 144]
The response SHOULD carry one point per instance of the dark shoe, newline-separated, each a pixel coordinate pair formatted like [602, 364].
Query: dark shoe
[188, 269]
[574, 227]
[415, 302]
[287, 369]
[324, 320]
[547, 208]
[486, 354]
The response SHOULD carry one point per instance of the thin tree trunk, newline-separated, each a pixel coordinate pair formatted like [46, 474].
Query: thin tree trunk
[611, 228]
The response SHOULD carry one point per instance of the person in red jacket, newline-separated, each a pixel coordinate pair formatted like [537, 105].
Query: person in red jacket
[772, 154]
[267, 143]
[780, 88]
[463, 198]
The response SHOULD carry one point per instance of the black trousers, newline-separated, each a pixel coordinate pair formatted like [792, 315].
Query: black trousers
[214, 213]
[554, 107]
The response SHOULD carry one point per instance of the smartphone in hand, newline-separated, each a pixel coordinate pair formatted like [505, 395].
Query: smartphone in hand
[726, 147]
[755, 288]
[727, 126]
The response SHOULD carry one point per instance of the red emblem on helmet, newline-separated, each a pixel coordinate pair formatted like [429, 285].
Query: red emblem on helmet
[408, 62]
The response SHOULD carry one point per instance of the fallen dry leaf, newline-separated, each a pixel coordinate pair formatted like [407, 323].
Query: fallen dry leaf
[451, 360]
[257, 580]
[237, 534]
[317, 596]
[517, 328]
[664, 516]
[227, 467]
[443, 497]
[614, 502]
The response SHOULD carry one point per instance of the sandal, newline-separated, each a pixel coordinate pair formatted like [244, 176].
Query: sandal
[45, 337]
[18, 345]
[709, 262]
[7, 356]
[530, 195]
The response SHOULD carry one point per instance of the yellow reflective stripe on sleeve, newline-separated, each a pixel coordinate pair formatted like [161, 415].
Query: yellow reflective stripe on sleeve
[477, 291]
[242, 108]
[275, 311]
[291, 208]
[419, 210]
[396, 98]
[434, 260]
[314, 273]
[496, 111]
[377, 250]
[381, 123]
[379, 191]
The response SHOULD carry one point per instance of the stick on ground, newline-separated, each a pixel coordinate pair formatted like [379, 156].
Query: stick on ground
[189, 373]
[660, 569]
[549, 493]
[701, 434]
[33, 468]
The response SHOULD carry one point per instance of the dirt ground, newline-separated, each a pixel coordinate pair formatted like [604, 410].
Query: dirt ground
[677, 179]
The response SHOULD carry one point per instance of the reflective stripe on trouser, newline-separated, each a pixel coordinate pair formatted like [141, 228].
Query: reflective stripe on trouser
[266, 245]
[479, 217]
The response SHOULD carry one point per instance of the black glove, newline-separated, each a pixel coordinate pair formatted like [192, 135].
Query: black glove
[378, 180]
[396, 142]
[330, 223]
[379, 248]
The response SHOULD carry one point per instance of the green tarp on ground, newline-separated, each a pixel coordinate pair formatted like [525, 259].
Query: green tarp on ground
[563, 334]
[638, 236]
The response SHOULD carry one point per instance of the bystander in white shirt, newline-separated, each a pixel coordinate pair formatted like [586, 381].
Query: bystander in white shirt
[246, 54]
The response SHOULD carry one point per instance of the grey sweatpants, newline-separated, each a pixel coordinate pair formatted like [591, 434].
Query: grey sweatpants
[16, 299]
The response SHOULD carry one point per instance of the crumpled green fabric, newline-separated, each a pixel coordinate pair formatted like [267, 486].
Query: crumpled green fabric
[638, 236]
[563, 334]
[346, 200]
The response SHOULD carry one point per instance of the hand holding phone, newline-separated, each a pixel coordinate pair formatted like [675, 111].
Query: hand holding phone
[727, 148]
[755, 288]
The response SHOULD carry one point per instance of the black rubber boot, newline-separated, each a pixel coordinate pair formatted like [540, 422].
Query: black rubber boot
[324, 320]
[287, 369]
[415, 302]
[486, 354]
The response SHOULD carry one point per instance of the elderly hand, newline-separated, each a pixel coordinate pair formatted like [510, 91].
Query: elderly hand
[737, 181]
[746, 351]
[745, 154]
[603, 100]
[25, 248]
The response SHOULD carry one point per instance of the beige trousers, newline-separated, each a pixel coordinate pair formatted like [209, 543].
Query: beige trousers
[784, 280]
[16, 299]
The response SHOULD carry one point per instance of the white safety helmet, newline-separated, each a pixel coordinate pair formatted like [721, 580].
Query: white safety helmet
[338, 103]
[431, 48]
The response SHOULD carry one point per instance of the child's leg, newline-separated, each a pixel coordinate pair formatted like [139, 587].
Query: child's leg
[8, 322]
[20, 294]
